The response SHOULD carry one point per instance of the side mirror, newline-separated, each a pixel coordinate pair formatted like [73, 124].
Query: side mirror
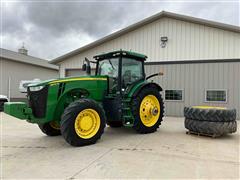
[84, 67]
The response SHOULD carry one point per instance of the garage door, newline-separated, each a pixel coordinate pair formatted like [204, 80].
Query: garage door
[77, 72]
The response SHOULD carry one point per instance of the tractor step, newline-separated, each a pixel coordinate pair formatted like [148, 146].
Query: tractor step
[128, 125]
[128, 121]
[126, 100]
[127, 117]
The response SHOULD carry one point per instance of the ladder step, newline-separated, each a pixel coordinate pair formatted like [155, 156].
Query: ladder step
[127, 117]
[128, 125]
[126, 100]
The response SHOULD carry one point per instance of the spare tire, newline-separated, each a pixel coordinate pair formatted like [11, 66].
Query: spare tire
[210, 113]
[210, 128]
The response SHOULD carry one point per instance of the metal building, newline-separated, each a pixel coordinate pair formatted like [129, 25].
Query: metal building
[200, 58]
[17, 66]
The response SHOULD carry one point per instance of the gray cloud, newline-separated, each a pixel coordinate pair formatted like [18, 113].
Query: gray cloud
[50, 29]
[95, 19]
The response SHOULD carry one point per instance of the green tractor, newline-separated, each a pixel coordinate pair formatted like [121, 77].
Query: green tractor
[78, 108]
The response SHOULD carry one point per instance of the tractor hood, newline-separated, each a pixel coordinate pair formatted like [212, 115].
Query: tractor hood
[66, 80]
[41, 83]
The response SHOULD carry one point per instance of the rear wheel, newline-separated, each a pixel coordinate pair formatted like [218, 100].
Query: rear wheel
[51, 128]
[148, 110]
[83, 122]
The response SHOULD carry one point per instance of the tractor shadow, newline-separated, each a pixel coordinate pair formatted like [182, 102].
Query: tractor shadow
[110, 137]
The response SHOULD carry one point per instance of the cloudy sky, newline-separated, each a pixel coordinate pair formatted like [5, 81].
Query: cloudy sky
[52, 28]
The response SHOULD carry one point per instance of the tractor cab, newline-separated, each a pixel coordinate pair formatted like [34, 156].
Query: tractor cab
[123, 69]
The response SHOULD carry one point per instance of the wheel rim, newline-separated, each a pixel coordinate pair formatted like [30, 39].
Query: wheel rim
[54, 125]
[149, 110]
[87, 123]
[209, 107]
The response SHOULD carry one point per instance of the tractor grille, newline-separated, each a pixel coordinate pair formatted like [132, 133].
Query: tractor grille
[38, 101]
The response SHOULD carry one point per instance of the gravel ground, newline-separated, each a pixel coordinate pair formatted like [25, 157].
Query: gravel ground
[120, 153]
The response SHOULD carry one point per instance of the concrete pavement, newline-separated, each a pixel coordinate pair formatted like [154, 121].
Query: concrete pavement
[121, 153]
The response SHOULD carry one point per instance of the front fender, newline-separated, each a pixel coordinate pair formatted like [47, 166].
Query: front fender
[67, 98]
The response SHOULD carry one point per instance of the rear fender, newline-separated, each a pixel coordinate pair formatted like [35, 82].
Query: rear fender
[146, 85]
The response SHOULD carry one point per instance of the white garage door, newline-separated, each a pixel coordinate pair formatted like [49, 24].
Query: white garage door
[77, 72]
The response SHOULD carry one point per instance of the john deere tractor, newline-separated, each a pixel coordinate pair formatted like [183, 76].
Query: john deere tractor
[78, 108]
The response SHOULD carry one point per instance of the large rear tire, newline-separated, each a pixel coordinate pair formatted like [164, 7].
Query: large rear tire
[210, 113]
[50, 128]
[83, 122]
[148, 110]
[210, 128]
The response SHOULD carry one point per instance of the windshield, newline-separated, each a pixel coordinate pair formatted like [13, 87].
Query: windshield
[108, 67]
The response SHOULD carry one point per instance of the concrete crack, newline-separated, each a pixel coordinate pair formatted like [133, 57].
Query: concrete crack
[73, 176]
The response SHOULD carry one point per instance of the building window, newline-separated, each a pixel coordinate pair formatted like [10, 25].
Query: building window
[216, 95]
[174, 95]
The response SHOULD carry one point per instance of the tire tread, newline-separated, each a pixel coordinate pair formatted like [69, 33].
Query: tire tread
[212, 115]
[68, 119]
[211, 128]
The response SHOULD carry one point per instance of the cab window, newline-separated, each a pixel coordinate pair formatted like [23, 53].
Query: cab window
[109, 67]
[132, 71]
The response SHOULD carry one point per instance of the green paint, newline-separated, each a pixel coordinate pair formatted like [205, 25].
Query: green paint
[15, 109]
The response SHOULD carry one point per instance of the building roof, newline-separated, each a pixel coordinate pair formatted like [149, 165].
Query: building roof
[144, 22]
[15, 56]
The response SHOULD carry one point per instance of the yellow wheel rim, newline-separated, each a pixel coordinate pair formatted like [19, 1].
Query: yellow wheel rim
[87, 123]
[209, 107]
[54, 125]
[149, 110]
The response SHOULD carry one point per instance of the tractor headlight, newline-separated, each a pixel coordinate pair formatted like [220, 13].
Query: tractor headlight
[36, 88]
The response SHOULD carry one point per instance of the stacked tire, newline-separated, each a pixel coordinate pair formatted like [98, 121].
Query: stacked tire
[213, 121]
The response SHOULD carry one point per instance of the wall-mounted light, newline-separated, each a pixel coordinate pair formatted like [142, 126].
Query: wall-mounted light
[164, 40]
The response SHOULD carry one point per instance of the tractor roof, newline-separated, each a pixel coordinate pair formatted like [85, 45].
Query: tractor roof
[129, 54]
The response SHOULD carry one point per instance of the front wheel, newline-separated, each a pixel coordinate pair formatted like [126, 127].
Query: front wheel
[51, 128]
[83, 122]
[148, 110]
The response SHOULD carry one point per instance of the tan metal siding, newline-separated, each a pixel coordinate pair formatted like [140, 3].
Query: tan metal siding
[77, 72]
[186, 41]
[21, 71]
[194, 79]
